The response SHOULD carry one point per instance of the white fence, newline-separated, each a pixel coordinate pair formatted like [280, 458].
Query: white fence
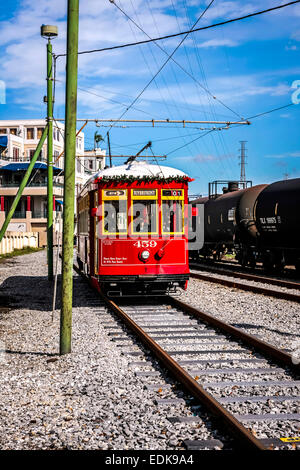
[18, 240]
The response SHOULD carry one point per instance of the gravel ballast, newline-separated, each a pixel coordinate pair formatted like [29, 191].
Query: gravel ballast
[92, 398]
[89, 399]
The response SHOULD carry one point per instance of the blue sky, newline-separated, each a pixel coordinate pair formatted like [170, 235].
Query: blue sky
[249, 66]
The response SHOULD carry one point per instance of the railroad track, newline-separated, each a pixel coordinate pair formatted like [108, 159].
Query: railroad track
[226, 281]
[234, 266]
[196, 347]
[167, 331]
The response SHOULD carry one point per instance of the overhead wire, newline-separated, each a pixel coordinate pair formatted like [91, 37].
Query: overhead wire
[194, 30]
[165, 63]
[176, 62]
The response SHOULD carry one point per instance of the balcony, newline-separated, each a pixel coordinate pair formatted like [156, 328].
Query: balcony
[39, 214]
[21, 159]
[13, 184]
[19, 215]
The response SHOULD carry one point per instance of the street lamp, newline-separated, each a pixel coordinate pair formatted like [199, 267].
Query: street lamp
[49, 32]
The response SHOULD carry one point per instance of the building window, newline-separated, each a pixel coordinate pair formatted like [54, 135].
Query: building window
[13, 131]
[91, 164]
[78, 166]
[2, 131]
[16, 153]
[40, 131]
[30, 133]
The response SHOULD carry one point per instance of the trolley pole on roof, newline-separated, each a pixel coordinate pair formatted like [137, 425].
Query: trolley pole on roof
[109, 149]
[69, 179]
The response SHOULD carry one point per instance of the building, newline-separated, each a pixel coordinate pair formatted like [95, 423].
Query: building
[18, 141]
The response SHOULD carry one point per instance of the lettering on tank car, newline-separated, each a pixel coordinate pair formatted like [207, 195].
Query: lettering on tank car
[269, 220]
[231, 214]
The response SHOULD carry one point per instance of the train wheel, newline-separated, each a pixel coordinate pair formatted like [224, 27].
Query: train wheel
[268, 262]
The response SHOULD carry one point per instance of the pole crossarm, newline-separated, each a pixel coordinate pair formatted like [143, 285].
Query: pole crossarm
[62, 153]
[165, 121]
[24, 182]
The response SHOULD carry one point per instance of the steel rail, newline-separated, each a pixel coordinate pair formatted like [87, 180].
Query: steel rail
[247, 287]
[267, 349]
[188, 382]
[248, 276]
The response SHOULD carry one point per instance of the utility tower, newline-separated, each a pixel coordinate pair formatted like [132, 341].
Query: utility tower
[243, 160]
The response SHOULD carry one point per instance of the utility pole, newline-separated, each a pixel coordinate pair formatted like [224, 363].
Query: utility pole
[69, 179]
[243, 161]
[109, 149]
[48, 31]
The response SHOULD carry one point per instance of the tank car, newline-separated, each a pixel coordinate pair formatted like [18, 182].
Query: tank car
[260, 223]
[132, 229]
[220, 212]
[277, 217]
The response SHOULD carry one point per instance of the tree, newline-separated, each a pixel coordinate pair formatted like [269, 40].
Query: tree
[97, 139]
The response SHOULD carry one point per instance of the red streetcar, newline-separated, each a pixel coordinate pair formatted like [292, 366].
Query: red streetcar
[133, 229]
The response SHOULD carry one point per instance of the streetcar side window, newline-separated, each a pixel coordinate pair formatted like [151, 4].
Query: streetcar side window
[172, 211]
[144, 214]
[114, 212]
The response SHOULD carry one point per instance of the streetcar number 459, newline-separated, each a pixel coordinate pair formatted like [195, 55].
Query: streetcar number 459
[145, 243]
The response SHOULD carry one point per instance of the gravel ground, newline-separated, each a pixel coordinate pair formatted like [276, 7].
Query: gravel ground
[227, 277]
[92, 399]
[273, 320]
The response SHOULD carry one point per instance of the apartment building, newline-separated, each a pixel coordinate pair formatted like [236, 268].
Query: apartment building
[18, 141]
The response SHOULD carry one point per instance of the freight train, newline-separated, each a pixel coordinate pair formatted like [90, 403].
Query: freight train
[259, 223]
[133, 229]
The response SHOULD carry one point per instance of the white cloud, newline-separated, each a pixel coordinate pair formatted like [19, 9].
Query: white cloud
[218, 43]
[285, 155]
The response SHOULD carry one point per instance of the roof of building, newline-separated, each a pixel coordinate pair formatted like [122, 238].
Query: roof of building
[22, 166]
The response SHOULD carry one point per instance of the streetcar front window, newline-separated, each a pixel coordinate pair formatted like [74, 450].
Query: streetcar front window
[114, 215]
[144, 215]
[172, 212]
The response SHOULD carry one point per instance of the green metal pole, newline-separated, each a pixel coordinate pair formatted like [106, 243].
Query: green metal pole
[23, 183]
[69, 180]
[50, 160]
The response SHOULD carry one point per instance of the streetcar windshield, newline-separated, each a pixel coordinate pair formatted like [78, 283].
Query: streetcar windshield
[144, 215]
[172, 211]
[114, 215]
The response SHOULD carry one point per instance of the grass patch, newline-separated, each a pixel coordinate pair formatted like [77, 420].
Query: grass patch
[17, 252]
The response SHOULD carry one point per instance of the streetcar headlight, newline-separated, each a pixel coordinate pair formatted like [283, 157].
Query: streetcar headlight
[145, 254]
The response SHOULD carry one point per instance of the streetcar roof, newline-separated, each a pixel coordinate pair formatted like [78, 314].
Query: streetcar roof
[139, 168]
